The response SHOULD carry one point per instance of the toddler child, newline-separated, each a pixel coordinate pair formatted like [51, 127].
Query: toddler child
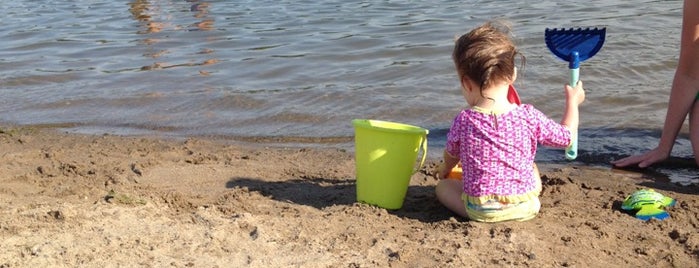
[495, 140]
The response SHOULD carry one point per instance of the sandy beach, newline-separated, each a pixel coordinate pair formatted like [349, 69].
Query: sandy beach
[69, 200]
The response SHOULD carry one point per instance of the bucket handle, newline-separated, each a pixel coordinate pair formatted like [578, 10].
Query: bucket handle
[424, 154]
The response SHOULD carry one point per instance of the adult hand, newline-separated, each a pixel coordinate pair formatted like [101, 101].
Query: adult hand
[643, 160]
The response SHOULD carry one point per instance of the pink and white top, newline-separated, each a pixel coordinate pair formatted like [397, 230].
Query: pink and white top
[497, 151]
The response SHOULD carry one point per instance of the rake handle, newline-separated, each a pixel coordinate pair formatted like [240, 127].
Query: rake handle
[572, 149]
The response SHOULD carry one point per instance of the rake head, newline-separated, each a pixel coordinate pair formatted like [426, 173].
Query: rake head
[574, 45]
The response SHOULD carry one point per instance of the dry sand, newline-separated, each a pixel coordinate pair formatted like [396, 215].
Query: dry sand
[70, 200]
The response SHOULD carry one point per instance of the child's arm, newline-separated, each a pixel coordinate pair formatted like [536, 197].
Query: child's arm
[574, 97]
[449, 163]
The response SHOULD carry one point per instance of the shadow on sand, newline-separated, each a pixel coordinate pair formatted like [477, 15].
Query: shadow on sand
[420, 202]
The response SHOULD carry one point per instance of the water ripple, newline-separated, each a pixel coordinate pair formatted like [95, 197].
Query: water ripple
[299, 69]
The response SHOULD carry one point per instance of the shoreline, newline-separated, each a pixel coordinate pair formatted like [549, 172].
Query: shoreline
[677, 168]
[105, 200]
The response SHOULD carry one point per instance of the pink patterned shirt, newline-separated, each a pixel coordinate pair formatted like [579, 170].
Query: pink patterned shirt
[497, 150]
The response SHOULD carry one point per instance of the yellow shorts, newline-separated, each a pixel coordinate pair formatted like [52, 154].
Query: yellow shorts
[494, 211]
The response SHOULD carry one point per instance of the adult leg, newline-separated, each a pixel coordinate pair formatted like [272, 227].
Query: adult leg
[449, 192]
[694, 129]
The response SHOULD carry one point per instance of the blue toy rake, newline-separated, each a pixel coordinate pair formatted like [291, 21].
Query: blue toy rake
[574, 46]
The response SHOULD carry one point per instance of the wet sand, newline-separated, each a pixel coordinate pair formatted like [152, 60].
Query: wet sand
[70, 200]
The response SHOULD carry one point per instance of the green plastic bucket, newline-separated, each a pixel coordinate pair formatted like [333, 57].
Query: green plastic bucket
[385, 156]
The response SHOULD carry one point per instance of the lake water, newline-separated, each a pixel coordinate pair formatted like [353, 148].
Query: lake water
[297, 72]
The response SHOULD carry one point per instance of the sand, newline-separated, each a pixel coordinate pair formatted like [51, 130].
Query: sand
[69, 200]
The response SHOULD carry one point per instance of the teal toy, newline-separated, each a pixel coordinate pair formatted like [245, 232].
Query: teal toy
[648, 204]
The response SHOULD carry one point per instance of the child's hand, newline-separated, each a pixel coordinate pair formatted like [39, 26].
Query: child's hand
[440, 172]
[575, 95]
[437, 172]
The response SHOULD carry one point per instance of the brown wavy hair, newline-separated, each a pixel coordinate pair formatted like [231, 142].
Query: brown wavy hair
[486, 55]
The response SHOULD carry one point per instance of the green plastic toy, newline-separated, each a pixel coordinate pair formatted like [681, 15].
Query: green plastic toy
[649, 204]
